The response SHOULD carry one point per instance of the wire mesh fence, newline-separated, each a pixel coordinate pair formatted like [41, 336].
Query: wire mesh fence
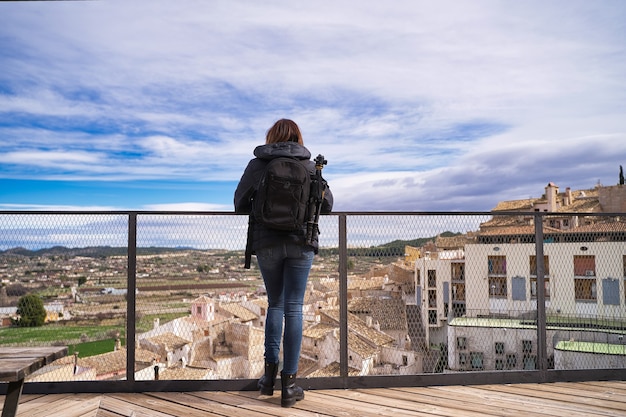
[389, 294]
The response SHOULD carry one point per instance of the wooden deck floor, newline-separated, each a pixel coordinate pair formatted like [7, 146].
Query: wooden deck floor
[580, 399]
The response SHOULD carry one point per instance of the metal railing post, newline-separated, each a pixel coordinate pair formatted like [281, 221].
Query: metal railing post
[542, 352]
[131, 295]
[343, 299]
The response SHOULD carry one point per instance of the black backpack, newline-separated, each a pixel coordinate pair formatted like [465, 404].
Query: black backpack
[282, 196]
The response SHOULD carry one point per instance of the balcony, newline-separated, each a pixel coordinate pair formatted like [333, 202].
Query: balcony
[159, 301]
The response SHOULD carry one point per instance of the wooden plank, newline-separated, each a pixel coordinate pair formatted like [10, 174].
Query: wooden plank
[15, 369]
[572, 394]
[209, 405]
[607, 385]
[357, 407]
[27, 403]
[73, 405]
[491, 403]
[528, 399]
[42, 398]
[126, 408]
[152, 403]
[17, 362]
[253, 401]
[458, 404]
[415, 399]
[591, 396]
[43, 355]
[50, 353]
[106, 413]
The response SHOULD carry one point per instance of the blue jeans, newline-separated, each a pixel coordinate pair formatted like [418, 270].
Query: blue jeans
[285, 269]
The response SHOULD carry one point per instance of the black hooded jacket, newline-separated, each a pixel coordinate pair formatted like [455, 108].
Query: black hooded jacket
[262, 236]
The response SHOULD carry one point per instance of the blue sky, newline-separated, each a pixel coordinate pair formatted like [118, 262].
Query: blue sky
[416, 105]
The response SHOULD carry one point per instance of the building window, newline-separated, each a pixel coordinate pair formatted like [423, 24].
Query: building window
[533, 265]
[585, 289]
[476, 359]
[457, 271]
[432, 278]
[533, 287]
[530, 362]
[497, 287]
[463, 361]
[499, 364]
[585, 286]
[432, 316]
[499, 348]
[496, 265]
[511, 361]
[584, 265]
[461, 343]
[527, 346]
[458, 292]
[432, 298]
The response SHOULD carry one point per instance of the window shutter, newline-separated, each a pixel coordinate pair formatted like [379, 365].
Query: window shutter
[518, 288]
[610, 291]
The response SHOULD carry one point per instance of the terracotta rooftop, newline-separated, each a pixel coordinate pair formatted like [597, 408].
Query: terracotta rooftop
[360, 346]
[261, 302]
[169, 340]
[180, 373]
[389, 313]
[516, 205]
[333, 369]
[517, 230]
[237, 310]
[318, 331]
[358, 326]
[366, 284]
[110, 362]
[602, 227]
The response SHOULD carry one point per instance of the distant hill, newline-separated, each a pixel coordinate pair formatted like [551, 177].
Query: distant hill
[394, 248]
[91, 252]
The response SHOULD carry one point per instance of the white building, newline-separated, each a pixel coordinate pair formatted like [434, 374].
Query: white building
[482, 302]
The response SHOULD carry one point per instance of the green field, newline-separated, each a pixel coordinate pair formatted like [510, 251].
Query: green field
[93, 348]
[57, 335]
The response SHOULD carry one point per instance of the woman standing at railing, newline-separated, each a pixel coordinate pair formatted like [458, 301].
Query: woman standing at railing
[284, 255]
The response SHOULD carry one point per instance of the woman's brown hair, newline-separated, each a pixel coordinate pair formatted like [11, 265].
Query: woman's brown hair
[284, 130]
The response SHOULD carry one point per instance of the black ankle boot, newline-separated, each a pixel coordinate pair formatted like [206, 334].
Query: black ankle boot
[290, 391]
[266, 383]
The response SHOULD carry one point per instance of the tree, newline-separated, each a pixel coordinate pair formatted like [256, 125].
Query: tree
[621, 175]
[31, 311]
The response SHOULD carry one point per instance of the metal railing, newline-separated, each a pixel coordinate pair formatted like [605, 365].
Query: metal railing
[397, 298]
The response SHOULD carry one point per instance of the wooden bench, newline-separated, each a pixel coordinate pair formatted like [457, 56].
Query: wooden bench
[18, 362]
